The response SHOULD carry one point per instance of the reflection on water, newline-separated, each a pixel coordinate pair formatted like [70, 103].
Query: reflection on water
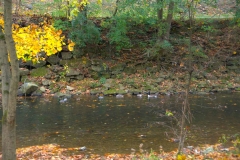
[115, 125]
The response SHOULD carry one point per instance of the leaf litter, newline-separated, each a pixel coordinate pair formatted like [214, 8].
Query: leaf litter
[56, 152]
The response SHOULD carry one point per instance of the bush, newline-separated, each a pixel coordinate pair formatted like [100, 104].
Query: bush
[84, 32]
[118, 34]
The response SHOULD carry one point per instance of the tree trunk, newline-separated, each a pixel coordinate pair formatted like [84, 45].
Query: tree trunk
[186, 115]
[116, 8]
[10, 76]
[68, 9]
[160, 19]
[169, 20]
[186, 111]
[164, 27]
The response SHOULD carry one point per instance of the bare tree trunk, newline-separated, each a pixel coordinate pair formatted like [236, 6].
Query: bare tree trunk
[186, 112]
[9, 85]
[169, 20]
[68, 9]
[164, 27]
[116, 8]
[160, 19]
[186, 115]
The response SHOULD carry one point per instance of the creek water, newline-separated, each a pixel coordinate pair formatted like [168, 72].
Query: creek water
[115, 125]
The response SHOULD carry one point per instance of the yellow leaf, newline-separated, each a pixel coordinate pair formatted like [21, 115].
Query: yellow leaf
[99, 2]
[71, 46]
[181, 157]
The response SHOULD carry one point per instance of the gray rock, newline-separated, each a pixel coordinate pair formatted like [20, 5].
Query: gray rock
[28, 88]
[95, 92]
[39, 64]
[48, 76]
[107, 85]
[208, 150]
[79, 77]
[61, 95]
[53, 59]
[56, 68]
[24, 71]
[46, 82]
[97, 68]
[69, 88]
[42, 89]
[66, 55]
[38, 92]
[73, 72]
[121, 87]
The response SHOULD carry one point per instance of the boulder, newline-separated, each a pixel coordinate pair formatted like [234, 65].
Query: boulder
[97, 68]
[79, 77]
[73, 72]
[66, 55]
[27, 88]
[24, 71]
[46, 82]
[53, 59]
[38, 92]
[56, 68]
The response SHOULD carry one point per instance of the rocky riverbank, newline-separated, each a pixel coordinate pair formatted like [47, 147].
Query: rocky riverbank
[100, 68]
[65, 74]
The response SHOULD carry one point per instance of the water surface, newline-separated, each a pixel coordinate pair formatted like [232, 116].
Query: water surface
[113, 125]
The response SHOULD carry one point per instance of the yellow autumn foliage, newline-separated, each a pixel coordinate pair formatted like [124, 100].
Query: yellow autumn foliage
[33, 39]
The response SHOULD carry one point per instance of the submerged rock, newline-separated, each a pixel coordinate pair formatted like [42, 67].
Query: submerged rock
[61, 95]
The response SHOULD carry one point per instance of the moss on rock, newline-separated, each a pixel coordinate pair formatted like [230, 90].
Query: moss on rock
[39, 72]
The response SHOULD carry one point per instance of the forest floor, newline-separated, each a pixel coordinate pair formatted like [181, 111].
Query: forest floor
[55, 152]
